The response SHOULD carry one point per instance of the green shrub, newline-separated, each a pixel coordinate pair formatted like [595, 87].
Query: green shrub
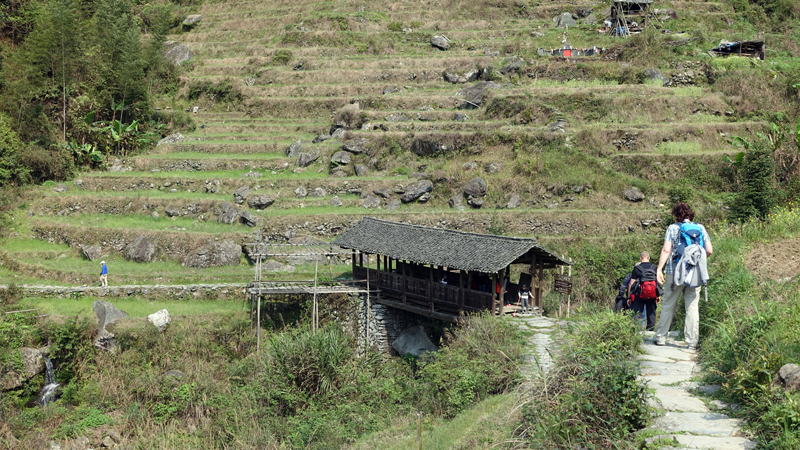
[222, 91]
[592, 397]
[281, 57]
[396, 26]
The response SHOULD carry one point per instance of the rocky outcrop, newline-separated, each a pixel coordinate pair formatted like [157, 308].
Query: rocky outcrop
[414, 341]
[177, 53]
[92, 252]
[416, 190]
[247, 218]
[440, 42]
[160, 319]
[32, 365]
[788, 377]
[260, 201]
[361, 170]
[514, 202]
[306, 158]
[229, 214]
[633, 195]
[240, 195]
[565, 20]
[173, 138]
[215, 254]
[371, 202]
[356, 146]
[141, 250]
[475, 188]
[294, 150]
[341, 158]
[474, 96]
[106, 314]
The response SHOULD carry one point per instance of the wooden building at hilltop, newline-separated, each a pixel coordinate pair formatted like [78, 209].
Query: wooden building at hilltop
[441, 273]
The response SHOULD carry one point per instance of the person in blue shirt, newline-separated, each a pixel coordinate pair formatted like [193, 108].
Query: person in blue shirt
[104, 275]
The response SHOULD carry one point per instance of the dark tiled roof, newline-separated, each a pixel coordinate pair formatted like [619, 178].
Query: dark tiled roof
[484, 253]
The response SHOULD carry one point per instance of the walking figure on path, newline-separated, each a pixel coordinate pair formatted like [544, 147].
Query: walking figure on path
[103, 275]
[682, 235]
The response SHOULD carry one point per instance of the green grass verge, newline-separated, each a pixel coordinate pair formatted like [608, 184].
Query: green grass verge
[134, 306]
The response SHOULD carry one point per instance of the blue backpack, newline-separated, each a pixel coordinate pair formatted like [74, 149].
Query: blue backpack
[690, 233]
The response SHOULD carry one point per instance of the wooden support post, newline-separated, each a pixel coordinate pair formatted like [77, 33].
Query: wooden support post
[258, 326]
[569, 296]
[405, 282]
[461, 288]
[354, 263]
[314, 310]
[378, 260]
[541, 283]
[495, 295]
[361, 259]
[430, 286]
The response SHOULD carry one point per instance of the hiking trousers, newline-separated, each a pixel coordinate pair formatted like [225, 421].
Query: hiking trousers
[645, 308]
[691, 297]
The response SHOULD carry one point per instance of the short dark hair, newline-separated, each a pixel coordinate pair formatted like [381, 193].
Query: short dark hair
[681, 211]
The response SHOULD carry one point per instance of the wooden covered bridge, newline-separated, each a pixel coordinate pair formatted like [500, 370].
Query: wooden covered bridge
[441, 273]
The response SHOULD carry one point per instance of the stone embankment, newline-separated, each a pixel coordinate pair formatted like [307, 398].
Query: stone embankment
[161, 291]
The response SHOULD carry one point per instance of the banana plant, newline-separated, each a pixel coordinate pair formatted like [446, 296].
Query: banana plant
[85, 154]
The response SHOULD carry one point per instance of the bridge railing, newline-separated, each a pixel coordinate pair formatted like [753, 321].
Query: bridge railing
[425, 291]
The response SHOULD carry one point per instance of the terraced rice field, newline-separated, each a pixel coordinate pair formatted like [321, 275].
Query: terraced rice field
[568, 136]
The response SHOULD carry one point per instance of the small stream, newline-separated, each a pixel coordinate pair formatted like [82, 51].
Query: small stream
[48, 394]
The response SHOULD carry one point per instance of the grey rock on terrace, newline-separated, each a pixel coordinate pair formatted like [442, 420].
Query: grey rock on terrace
[141, 250]
[475, 188]
[634, 195]
[229, 214]
[92, 252]
[160, 319]
[177, 53]
[415, 190]
[440, 42]
[215, 254]
[106, 314]
[260, 201]
[294, 150]
[306, 158]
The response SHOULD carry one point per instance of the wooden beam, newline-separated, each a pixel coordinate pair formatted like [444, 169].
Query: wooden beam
[541, 278]
[418, 310]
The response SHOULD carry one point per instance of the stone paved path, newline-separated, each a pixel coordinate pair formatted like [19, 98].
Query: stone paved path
[687, 420]
[537, 354]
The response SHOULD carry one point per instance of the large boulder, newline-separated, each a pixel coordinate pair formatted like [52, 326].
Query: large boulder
[361, 170]
[356, 146]
[341, 158]
[414, 341]
[141, 250]
[440, 42]
[514, 202]
[240, 195]
[294, 150]
[565, 20]
[177, 53]
[92, 252]
[32, 365]
[475, 188]
[260, 201]
[788, 377]
[160, 319]
[172, 211]
[513, 64]
[192, 20]
[634, 195]
[425, 147]
[305, 159]
[473, 96]
[416, 190]
[215, 254]
[173, 138]
[371, 202]
[248, 218]
[106, 314]
[229, 214]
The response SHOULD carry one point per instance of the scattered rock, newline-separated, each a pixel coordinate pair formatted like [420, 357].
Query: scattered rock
[356, 146]
[591, 19]
[397, 118]
[215, 254]
[475, 188]
[634, 195]
[558, 125]
[336, 201]
[177, 53]
[654, 74]
[390, 90]
[384, 193]
[424, 198]
[192, 19]
[32, 365]
[260, 201]
[455, 201]
[240, 195]
[338, 133]
[491, 168]
[461, 117]
[475, 202]
[393, 204]
[154, 215]
[141, 250]
[565, 20]
[415, 190]
[294, 150]
[469, 165]
[440, 42]
[473, 96]
[106, 314]
[92, 252]
[424, 147]
[371, 202]
[318, 192]
[160, 319]
[341, 158]
[306, 158]
[513, 66]
[413, 341]
[247, 218]
[61, 187]
[788, 377]
[253, 174]
[300, 192]
[229, 213]
[514, 202]
[321, 138]
[361, 170]
[172, 211]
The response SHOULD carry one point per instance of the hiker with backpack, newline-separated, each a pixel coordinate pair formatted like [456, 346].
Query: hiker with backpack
[645, 290]
[682, 270]
[621, 302]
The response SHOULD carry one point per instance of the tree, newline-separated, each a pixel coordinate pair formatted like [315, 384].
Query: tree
[11, 169]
